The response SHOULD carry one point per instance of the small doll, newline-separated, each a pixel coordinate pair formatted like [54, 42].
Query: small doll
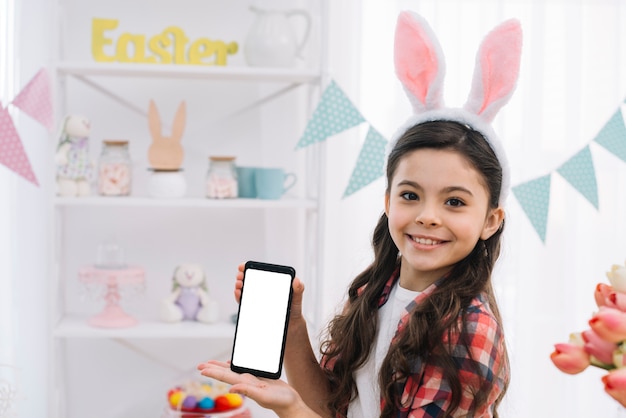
[604, 344]
[189, 299]
[74, 166]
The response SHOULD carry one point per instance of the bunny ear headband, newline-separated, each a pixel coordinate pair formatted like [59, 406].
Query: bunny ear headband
[420, 67]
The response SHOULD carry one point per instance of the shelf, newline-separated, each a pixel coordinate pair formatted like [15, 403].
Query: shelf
[188, 202]
[190, 72]
[76, 327]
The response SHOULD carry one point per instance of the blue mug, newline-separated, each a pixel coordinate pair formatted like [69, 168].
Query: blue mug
[246, 183]
[272, 183]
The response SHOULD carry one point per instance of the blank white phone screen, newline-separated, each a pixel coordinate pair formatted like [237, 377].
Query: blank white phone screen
[261, 322]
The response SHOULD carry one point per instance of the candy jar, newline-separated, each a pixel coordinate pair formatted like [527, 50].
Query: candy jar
[221, 181]
[114, 169]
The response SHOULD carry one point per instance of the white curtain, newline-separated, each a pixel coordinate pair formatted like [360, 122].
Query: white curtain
[573, 79]
[24, 219]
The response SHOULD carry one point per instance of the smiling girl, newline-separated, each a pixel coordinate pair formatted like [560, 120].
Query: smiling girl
[420, 335]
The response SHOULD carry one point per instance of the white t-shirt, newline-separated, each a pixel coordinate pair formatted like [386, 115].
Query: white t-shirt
[367, 404]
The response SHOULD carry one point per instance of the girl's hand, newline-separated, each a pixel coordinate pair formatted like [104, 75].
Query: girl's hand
[276, 395]
[296, 302]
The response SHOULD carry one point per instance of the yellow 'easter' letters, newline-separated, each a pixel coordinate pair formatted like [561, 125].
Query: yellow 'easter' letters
[167, 47]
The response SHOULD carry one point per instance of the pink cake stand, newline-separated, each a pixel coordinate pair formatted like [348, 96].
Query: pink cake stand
[113, 316]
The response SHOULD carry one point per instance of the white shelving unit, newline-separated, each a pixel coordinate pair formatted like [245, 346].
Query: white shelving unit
[156, 232]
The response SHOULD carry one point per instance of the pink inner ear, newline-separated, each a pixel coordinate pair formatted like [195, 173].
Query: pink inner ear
[500, 61]
[415, 57]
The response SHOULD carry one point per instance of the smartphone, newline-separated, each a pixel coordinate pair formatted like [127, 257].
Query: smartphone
[261, 330]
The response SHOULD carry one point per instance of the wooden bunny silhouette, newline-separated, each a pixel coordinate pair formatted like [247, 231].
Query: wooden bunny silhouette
[166, 152]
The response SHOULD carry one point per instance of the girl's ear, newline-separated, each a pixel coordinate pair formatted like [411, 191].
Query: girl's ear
[492, 223]
[387, 204]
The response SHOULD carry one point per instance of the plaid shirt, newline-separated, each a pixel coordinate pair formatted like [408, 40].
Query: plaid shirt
[425, 393]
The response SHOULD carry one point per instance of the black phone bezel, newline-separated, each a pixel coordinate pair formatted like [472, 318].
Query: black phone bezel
[257, 265]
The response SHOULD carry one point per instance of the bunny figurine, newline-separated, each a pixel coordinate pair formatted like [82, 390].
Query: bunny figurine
[74, 167]
[166, 152]
[189, 299]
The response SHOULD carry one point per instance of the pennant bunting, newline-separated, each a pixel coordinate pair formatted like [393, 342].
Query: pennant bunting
[370, 163]
[36, 101]
[534, 196]
[612, 136]
[334, 114]
[580, 173]
[12, 153]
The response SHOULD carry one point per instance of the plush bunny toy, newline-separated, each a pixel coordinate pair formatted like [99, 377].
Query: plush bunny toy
[189, 299]
[74, 166]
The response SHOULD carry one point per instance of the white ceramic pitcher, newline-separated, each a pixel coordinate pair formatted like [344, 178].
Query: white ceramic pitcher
[272, 40]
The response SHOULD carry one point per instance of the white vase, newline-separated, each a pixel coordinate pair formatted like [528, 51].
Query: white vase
[167, 184]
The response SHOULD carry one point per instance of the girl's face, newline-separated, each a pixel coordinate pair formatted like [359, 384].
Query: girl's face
[438, 209]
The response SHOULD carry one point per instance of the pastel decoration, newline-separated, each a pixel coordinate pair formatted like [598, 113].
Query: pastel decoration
[580, 173]
[370, 163]
[272, 183]
[534, 196]
[170, 46]
[612, 136]
[12, 153]
[335, 113]
[35, 99]
[166, 152]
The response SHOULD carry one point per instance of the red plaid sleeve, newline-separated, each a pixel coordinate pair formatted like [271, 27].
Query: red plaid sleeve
[432, 393]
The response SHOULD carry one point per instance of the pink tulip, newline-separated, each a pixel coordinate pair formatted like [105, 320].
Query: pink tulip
[618, 300]
[602, 293]
[609, 324]
[615, 385]
[601, 349]
[570, 358]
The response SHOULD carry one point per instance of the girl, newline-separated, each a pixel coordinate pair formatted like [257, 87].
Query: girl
[420, 335]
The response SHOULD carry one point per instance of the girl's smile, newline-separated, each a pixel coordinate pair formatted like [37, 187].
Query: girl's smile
[437, 208]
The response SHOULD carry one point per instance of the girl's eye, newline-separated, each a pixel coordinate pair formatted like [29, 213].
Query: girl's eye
[409, 196]
[455, 202]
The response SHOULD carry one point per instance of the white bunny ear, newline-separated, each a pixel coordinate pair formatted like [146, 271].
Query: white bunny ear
[497, 69]
[419, 62]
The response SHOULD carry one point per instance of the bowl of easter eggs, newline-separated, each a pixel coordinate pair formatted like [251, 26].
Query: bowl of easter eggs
[204, 399]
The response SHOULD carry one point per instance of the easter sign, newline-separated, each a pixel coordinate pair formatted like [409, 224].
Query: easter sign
[171, 46]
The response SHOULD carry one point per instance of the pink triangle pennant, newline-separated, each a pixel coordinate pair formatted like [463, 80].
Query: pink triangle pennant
[12, 153]
[35, 99]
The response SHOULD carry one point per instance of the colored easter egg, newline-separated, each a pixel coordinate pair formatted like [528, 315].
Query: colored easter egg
[176, 398]
[206, 403]
[222, 403]
[234, 399]
[189, 402]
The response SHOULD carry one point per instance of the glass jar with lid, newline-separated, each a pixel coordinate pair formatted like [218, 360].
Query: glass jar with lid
[221, 180]
[114, 169]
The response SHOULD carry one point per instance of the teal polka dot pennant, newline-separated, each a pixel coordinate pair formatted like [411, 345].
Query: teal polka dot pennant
[370, 163]
[534, 197]
[334, 114]
[612, 136]
[580, 173]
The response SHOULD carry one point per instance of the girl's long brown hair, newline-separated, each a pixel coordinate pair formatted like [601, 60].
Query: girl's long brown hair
[350, 334]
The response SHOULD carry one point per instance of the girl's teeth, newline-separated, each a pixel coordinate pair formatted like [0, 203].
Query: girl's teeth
[425, 241]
